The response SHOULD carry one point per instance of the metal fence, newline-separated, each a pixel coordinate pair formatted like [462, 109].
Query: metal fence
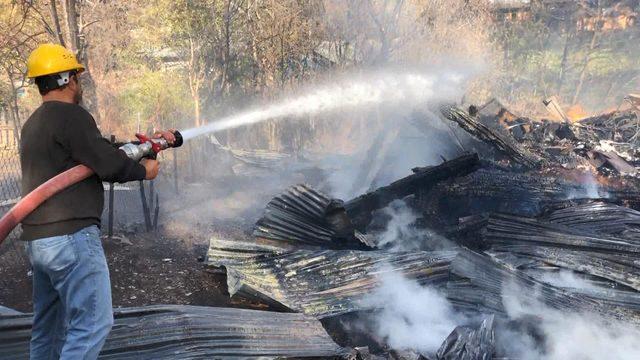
[10, 175]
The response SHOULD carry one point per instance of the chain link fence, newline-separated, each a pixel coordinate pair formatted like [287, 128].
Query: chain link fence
[11, 250]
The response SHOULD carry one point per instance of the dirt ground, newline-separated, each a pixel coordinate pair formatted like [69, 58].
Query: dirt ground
[160, 267]
[155, 268]
[166, 266]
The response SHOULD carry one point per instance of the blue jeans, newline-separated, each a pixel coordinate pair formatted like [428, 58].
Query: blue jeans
[72, 313]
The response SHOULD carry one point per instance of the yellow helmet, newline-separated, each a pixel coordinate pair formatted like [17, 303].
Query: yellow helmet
[48, 59]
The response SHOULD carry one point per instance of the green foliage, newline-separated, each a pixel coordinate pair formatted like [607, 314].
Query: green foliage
[156, 96]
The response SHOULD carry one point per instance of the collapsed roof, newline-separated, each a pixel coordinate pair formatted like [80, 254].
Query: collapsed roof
[537, 205]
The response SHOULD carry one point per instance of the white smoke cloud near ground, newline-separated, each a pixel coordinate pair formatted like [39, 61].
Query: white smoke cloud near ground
[419, 318]
[400, 227]
[568, 335]
[410, 316]
[388, 151]
[567, 279]
[402, 233]
[590, 188]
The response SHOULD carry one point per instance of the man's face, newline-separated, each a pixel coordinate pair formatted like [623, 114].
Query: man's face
[76, 86]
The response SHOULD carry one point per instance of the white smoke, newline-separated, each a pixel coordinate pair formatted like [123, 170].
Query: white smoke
[566, 279]
[387, 88]
[419, 318]
[410, 316]
[402, 233]
[567, 335]
[401, 227]
[590, 188]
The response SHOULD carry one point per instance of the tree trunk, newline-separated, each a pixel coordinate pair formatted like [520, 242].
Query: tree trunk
[79, 47]
[72, 26]
[227, 49]
[583, 72]
[90, 94]
[56, 22]
[587, 60]
[194, 81]
[15, 116]
[563, 62]
[195, 96]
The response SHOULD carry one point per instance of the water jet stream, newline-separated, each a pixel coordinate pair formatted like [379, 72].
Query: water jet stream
[380, 88]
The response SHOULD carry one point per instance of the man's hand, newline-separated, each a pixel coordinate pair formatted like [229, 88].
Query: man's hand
[152, 167]
[166, 134]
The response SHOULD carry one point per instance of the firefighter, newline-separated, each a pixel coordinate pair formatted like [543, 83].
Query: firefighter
[71, 286]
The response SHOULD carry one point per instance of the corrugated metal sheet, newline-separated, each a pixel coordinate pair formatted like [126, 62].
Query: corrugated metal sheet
[469, 343]
[513, 230]
[623, 269]
[300, 217]
[224, 252]
[8, 311]
[493, 189]
[326, 283]
[191, 332]
[600, 217]
[483, 282]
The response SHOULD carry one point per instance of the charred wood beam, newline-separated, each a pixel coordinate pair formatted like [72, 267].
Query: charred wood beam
[530, 193]
[360, 208]
[502, 143]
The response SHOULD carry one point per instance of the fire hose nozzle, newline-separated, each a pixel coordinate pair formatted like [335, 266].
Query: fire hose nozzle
[179, 139]
[148, 147]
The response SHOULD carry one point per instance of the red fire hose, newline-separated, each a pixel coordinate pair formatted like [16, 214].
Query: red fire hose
[146, 147]
[35, 198]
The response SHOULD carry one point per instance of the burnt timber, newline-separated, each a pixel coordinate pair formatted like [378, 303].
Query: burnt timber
[482, 132]
[423, 179]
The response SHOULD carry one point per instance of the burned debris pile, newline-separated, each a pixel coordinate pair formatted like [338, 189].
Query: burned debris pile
[543, 217]
[548, 199]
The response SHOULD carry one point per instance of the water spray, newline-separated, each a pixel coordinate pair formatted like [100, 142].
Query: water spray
[144, 148]
[380, 88]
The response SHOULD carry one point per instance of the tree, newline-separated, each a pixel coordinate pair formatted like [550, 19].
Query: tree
[18, 36]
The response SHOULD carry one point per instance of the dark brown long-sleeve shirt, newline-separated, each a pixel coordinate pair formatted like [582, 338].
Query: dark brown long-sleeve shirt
[57, 137]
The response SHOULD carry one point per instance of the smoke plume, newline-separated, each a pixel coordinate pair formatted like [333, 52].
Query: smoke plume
[402, 233]
[567, 335]
[411, 317]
